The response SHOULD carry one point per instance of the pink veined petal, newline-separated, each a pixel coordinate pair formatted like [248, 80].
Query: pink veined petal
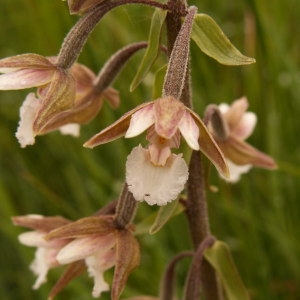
[168, 113]
[84, 247]
[245, 126]
[190, 131]
[25, 78]
[140, 121]
[28, 111]
[155, 184]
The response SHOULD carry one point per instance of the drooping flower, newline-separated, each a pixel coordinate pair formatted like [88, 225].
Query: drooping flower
[101, 246]
[165, 119]
[63, 100]
[57, 86]
[91, 243]
[87, 104]
[45, 255]
[231, 126]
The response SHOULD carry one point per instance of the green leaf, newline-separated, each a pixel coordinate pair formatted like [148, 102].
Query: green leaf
[151, 53]
[220, 258]
[212, 41]
[164, 214]
[154, 222]
[159, 82]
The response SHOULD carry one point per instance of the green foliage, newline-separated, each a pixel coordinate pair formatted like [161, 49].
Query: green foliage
[157, 22]
[212, 41]
[220, 258]
[258, 218]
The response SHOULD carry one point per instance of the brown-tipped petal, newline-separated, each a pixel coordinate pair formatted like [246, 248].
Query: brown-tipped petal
[39, 222]
[112, 97]
[210, 148]
[114, 131]
[128, 257]
[241, 153]
[59, 97]
[25, 61]
[72, 271]
[168, 113]
[95, 225]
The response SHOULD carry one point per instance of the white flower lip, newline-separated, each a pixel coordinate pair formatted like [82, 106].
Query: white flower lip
[155, 184]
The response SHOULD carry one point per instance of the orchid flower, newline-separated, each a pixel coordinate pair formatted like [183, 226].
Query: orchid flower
[165, 119]
[237, 125]
[57, 85]
[64, 98]
[45, 255]
[93, 241]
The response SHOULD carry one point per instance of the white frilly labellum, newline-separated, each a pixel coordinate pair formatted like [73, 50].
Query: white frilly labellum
[155, 184]
[28, 112]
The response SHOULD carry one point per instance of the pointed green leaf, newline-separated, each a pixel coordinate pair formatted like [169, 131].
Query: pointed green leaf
[220, 258]
[164, 214]
[159, 82]
[212, 41]
[148, 224]
[152, 49]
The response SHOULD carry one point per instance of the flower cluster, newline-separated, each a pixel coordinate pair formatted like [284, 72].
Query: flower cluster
[91, 243]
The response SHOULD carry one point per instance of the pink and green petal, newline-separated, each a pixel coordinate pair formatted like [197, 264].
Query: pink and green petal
[140, 121]
[115, 130]
[168, 113]
[25, 61]
[25, 78]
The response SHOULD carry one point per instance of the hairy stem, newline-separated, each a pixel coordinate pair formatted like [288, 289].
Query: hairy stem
[126, 209]
[115, 64]
[197, 215]
[78, 35]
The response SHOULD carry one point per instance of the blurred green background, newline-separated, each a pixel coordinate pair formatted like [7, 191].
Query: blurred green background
[258, 218]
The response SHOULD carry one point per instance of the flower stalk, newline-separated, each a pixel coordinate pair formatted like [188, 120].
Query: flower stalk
[198, 219]
[126, 209]
[78, 35]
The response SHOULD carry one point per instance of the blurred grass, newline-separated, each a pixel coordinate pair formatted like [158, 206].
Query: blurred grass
[259, 217]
